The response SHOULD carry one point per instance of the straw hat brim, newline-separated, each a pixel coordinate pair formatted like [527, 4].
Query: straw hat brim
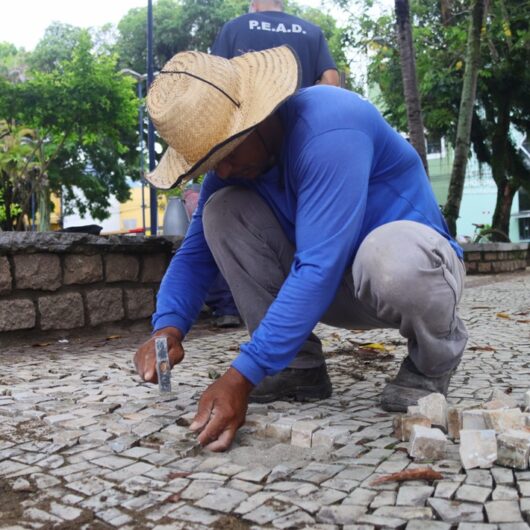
[270, 77]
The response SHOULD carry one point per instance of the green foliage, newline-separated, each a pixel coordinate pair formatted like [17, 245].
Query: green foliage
[502, 101]
[84, 116]
[180, 25]
[193, 25]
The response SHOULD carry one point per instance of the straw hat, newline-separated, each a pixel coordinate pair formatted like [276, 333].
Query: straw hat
[204, 106]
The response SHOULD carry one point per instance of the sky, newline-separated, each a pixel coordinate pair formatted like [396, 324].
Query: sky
[23, 21]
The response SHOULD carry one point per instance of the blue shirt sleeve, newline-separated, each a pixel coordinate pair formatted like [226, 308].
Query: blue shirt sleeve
[331, 174]
[190, 273]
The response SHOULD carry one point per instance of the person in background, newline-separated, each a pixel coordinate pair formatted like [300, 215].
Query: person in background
[267, 26]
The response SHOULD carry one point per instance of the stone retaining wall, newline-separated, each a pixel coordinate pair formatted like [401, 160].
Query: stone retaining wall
[52, 281]
[488, 258]
[64, 281]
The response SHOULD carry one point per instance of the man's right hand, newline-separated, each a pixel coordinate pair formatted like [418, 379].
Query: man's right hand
[145, 357]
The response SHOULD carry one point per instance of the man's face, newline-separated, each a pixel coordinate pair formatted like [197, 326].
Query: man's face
[247, 161]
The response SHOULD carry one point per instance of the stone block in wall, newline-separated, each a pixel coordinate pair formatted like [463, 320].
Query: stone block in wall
[17, 314]
[139, 303]
[80, 268]
[153, 268]
[491, 256]
[5, 276]
[121, 268]
[104, 305]
[484, 267]
[62, 311]
[471, 266]
[473, 256]
[37, 271]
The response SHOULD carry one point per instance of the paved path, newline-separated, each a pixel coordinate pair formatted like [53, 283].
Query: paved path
[85, 444]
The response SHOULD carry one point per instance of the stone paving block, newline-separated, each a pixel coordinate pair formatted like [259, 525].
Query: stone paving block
[256, 474]
[513, 449]
[477, 526]
[269, 511]
[405, 512]
[472, 493]
[434, 407]
[498, 395]
[427, 444]
[503, 512]
[114, 517]
[293, 520]
[222, 500]
[253, 502]
[302, 432]
[68, 513]
[384, 498]
[403, 424]
[382, 522]
[479, 477]
[504, 493]
[473, 419]
[317, 472]
[456, 511]
[360, 497]
[342, 515]
[413, 495]
[478, 448]
[91, 486]
[433, 525]
[502, 420]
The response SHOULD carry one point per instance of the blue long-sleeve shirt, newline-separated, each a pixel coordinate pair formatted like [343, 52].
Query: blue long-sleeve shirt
[342, 172]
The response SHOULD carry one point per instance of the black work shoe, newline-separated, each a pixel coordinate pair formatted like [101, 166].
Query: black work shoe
[227, 321]
[410, 385]
[300, 384]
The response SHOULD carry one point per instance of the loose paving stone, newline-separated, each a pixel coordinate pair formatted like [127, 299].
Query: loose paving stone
[472, 493]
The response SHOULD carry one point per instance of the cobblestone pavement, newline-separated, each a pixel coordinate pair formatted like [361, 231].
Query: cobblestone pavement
[85, 444]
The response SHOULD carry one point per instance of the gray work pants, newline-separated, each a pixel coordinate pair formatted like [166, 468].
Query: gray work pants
[405, 276]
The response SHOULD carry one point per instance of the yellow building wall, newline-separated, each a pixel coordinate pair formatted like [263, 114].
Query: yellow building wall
[131, 211]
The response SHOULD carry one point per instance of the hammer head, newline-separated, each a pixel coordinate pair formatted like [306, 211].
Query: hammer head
[163, 368]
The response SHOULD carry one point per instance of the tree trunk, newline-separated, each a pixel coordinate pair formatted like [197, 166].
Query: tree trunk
[44, 208]
[410, 84]
[503, 207]
[465, 115]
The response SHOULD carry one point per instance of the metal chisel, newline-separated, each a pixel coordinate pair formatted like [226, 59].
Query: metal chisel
[163, 368]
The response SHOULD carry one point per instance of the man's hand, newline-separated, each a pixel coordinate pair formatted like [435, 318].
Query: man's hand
[222, 410]
[145, 357]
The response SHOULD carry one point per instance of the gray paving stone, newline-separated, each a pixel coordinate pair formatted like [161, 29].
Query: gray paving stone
[413, 495]
[344, 514]
[405, 512]
[222, 500]
[503, 512]
[472, 493]
[456, 511]
[433, 525]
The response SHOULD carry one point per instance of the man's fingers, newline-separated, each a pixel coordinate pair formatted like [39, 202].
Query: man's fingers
[213, 429]
[203, 415]
[223, 442]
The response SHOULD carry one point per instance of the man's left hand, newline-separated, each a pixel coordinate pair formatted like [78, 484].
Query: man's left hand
[222, 410]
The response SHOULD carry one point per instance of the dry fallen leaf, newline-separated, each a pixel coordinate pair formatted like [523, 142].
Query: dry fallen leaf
[40, 344]
[504, 315]
[422, 473]
[114, 337]
[481, 348]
